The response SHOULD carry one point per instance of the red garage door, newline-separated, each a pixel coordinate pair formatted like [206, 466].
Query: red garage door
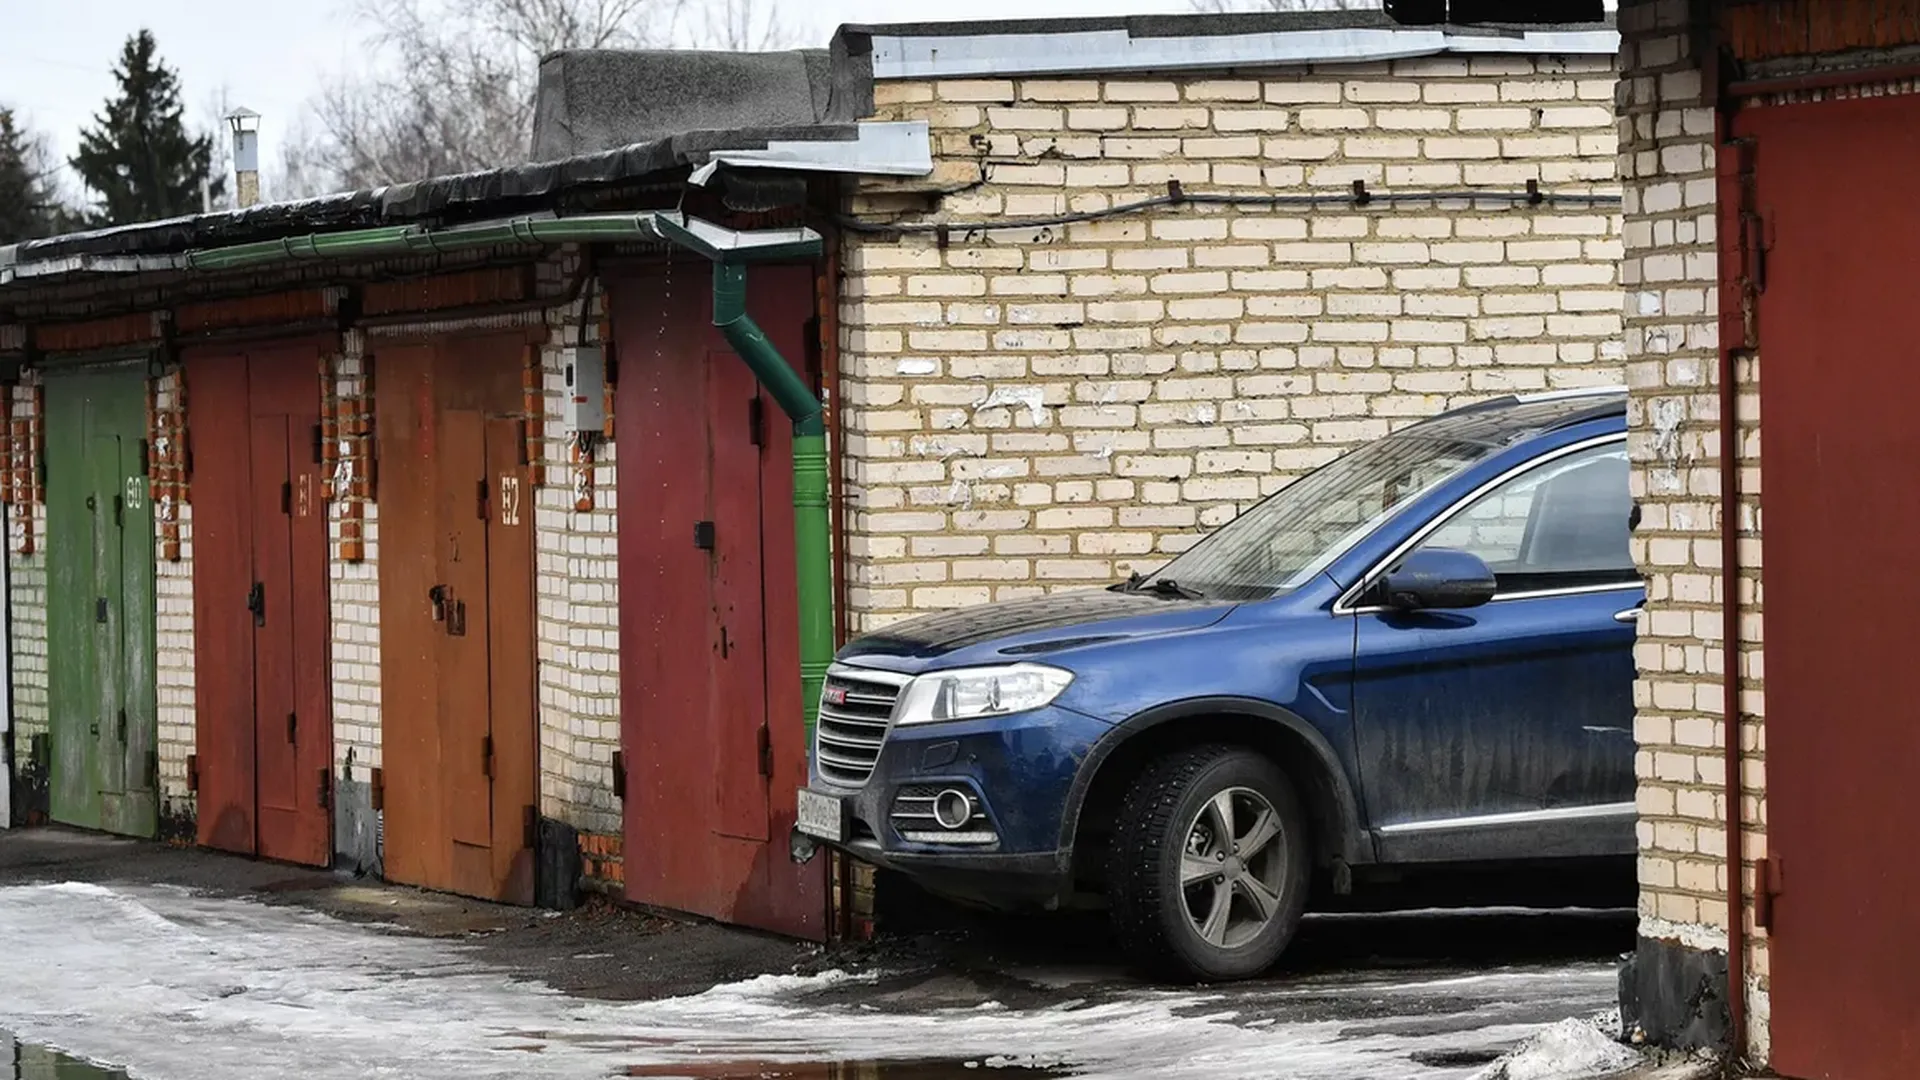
[1840, 362]
[710, 718]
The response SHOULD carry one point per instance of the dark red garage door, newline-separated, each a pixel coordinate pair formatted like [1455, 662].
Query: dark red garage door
[711, 726]
[1840, 356]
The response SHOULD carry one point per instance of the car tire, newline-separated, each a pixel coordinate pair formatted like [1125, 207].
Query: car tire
[1170, 826]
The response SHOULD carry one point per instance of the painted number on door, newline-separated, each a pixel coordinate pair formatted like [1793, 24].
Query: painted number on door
[509, 499]
[303, 495]
[136, 493]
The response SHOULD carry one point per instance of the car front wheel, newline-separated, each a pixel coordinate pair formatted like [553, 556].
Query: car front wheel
[1208, 866]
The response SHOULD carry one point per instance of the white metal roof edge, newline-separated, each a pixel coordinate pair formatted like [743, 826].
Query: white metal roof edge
[928, 56]
[882, 148]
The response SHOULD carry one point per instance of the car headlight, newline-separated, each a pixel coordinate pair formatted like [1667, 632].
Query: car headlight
[969, 693]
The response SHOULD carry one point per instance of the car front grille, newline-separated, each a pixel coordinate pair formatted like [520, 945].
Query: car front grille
[855, 709]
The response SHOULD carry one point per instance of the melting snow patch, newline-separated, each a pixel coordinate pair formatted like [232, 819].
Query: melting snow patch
[1569, 1050]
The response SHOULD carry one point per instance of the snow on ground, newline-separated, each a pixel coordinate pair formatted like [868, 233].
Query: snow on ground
[1568, 1050]
[178, 986]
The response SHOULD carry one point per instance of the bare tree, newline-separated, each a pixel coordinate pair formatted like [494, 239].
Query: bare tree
[735, 25]
[1285, 5]
[450, 83]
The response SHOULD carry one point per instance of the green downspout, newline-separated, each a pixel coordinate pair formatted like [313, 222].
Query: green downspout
[813, 561]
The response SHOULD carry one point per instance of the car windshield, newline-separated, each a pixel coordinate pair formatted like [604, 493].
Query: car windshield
[1284, 540]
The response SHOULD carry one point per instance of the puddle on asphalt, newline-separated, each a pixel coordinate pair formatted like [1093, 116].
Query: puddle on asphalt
[25, 1061]
[951, 1069]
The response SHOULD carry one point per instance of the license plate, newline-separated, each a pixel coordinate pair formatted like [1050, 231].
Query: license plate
[823, 816]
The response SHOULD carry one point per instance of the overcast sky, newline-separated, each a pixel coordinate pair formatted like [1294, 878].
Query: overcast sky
[272, 55]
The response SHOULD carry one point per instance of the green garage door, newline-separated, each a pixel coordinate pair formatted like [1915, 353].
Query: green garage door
[100, 614]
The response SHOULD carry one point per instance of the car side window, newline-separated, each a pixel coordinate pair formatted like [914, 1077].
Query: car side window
[1557, 525]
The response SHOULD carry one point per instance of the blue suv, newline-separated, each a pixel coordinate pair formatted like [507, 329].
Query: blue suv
[1417, 657]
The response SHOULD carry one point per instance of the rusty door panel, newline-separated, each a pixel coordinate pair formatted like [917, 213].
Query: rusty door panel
[511, 645]
[457, 587]
[289, 390]
[784, 894]
[275, 719]
[738, 691]
[666, 650]
[464, 693]
[222, 625]
[262, 659]
[705, 826]
[416, 851]
[1837, 326]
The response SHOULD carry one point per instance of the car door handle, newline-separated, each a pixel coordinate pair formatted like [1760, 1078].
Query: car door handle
[1632, 614]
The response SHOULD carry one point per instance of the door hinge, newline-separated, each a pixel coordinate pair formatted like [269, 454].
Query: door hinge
[144, 453]
[325, 794]
[319, 446]
[486, 755]
[520, 444]
[119, 511]
[619, 775]
[286, 497]
[377, 790]
[766, 751]
[193, 772]
[756, 422]
[153, 770]
[293, 728]
[481, 496]
[530, 828]
[1767, 887]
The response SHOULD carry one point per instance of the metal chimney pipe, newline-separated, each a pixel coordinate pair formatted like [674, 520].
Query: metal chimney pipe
[244, 123]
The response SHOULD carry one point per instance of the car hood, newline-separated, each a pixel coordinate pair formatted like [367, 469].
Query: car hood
[1029, 628]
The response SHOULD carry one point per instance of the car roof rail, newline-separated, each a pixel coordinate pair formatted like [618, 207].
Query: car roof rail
[1575, 392]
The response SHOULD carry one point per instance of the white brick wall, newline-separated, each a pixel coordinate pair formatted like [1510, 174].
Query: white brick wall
[1053, 406]
[578, 608]
[1672, 340]
[173, 642]
[353, 594]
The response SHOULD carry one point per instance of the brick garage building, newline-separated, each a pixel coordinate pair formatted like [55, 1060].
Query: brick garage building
[1047, 389]
[1093, 309]
[362, 607]
[1777, 912]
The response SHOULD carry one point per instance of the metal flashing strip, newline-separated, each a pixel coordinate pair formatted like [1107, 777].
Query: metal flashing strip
[1523, 817]
[898, 56]
[883, 148]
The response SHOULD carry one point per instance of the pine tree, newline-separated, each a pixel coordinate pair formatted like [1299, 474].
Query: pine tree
[28, 207]
[138, 158]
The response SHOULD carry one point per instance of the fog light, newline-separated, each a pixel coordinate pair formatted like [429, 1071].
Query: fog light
[952, 809]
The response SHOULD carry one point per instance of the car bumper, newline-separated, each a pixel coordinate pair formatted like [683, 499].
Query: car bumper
[1019, 770]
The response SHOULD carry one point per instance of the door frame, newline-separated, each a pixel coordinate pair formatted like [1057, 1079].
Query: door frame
[247, 355]
[514, 851]
[128, 374]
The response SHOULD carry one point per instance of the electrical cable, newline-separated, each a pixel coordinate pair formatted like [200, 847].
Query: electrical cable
[1358, 197]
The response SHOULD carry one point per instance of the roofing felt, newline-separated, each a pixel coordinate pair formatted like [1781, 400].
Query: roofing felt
[595, 126]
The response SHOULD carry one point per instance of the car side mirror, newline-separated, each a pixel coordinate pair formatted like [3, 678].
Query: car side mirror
[1438, 579]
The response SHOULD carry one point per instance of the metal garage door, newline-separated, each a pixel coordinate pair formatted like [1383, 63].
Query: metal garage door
[1841, 499]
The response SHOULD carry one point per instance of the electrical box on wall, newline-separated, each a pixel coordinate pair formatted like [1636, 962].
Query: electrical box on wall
[585, 367]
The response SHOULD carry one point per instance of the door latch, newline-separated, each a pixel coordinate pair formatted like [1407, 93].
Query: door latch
[438, 597]
[457, 619]
[100, 609]
[703, 535]
[257, 603]
[766, 751]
